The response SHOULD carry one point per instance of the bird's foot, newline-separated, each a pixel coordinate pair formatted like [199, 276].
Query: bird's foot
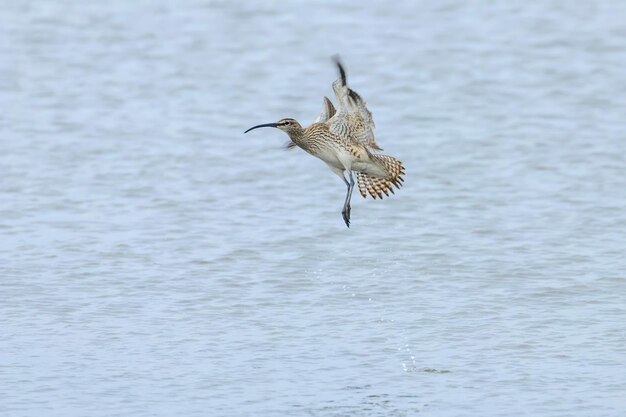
[346, 215]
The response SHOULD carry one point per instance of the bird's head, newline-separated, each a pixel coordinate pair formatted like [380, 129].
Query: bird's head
[286, 125]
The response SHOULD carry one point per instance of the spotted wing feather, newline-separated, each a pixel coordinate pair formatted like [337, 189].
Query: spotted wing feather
[376, 186]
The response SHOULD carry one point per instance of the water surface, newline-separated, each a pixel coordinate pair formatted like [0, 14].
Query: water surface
[155, 261]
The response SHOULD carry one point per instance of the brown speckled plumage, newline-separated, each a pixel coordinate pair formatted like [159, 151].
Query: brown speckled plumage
[376, 186]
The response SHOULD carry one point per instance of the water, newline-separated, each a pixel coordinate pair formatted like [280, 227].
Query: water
[155, 261]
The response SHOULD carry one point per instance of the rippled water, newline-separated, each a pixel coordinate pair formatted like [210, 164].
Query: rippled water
[155, 261]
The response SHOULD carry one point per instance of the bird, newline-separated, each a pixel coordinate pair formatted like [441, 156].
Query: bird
[343, 137]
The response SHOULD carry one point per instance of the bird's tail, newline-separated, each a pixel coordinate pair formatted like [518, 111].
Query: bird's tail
[376, 186]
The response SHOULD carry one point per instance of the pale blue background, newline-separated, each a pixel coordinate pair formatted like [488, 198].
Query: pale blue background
[155, 261]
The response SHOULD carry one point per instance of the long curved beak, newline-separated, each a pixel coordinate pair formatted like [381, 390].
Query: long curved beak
[263, 125]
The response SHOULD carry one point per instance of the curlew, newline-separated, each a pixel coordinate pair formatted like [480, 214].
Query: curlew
[344, 139]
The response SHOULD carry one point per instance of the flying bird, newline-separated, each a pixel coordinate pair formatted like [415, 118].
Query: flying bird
[343, 138]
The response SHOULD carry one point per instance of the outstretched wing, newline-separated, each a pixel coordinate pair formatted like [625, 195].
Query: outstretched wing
[328, 111]
[352, 120]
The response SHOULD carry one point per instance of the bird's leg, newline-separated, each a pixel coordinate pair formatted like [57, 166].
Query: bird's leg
[346, 205]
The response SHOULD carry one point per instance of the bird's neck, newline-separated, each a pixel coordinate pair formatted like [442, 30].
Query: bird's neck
[297, 135]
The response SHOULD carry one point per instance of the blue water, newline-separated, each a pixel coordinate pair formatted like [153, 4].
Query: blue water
[155, 261]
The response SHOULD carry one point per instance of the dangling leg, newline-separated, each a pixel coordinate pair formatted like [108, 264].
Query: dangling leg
[346, 205]
[345, 213]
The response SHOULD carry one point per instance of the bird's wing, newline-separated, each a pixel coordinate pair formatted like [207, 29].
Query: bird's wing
[353, 120]
[328, 111]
